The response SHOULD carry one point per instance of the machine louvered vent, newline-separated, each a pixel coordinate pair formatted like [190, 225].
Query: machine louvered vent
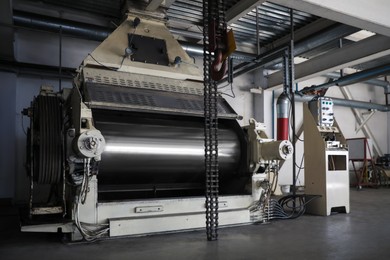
[161, 85]
[100, 95]
[123, 98]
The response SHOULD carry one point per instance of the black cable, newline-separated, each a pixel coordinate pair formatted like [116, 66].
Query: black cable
[289, 113]
[231, 89]
[109, 68]
[293, 208]
[124, 56]
[24, 130]
[123, 59]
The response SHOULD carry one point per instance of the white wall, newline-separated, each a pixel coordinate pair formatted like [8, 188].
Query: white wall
[388, 129]
[243, 101]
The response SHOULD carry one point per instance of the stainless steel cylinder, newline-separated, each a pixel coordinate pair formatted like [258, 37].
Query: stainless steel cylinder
[153, 151]
[276, 150]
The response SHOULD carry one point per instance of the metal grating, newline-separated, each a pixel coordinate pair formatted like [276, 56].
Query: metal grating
[187, 15]
[99, 95]
[273, 20]
[142, 81]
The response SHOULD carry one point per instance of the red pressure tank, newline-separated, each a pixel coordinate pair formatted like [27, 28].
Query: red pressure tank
[282, 111]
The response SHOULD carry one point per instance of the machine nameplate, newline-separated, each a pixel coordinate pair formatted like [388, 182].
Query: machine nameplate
[147, 209]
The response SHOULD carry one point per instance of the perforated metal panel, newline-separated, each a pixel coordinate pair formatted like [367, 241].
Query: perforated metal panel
[142, 81]
[135, 99]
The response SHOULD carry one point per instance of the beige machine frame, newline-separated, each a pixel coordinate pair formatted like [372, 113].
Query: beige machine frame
[326, 168]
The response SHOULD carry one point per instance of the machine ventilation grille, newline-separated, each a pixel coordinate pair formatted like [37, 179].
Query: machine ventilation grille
[100, 95]
[123, 98]
[146, 82]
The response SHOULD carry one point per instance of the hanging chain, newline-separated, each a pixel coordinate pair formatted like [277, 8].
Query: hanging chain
[213, 9]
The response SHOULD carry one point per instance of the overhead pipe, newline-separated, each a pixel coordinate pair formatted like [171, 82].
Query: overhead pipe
[34, 21]
[330, 34]
[374, 82]
[352, 78]
[37, 70]
[99, 33]
[346, 103]
[197, 50]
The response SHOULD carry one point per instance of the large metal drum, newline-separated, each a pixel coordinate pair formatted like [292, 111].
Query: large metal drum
[145, 150]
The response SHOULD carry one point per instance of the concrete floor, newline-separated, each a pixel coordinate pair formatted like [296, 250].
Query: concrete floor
[362, 234]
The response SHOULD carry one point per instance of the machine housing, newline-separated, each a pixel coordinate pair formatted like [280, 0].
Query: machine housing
[122, 152]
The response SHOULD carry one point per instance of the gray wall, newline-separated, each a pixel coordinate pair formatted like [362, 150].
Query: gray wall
[7, 134]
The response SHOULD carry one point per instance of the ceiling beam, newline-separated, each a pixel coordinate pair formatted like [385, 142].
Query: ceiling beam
[153, 5]
[351, 55]
[240, 9]
[369, 15]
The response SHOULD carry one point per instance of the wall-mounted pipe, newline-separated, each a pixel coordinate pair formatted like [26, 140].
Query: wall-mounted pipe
[34, 21]
[347, 103]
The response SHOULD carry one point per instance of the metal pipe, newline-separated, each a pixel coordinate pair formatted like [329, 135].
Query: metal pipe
[374, 82]
[60, 59]
[257, 32]
[197, 50]
[37, 70]
[99, 33]
[352, 78]
[292, 96]
[333, 33]
[346, 103]
[91, 32]
[330, 34]
[258, 62]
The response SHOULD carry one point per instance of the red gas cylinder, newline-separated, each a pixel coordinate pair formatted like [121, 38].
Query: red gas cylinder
[282, 111]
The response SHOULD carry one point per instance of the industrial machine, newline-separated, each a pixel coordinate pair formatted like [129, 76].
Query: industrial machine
[326, 159]
[122, 153]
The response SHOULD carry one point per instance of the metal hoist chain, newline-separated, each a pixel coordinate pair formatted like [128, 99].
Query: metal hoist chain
[213, 15]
